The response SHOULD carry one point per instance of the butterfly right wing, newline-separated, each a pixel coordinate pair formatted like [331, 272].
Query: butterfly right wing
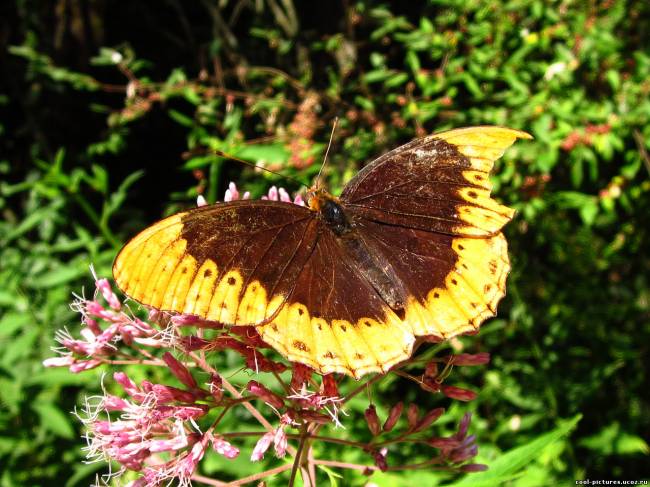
[438, 183]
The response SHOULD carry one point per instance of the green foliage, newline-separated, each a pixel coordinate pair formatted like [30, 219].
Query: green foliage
[113, 132]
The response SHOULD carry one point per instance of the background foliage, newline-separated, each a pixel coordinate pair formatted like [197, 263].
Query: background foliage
[108, 109]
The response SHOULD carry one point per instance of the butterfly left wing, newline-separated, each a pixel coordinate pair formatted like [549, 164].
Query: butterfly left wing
[235, 263]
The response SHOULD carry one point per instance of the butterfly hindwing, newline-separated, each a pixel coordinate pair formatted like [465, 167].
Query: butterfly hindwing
[334, 321]
[453, 283]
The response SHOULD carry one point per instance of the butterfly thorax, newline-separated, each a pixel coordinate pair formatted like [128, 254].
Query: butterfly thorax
[367, 259]
[330, 211]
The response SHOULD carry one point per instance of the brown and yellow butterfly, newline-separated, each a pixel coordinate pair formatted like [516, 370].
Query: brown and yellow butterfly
[412, 247]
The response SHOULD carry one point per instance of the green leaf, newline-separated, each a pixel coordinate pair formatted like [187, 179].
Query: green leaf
[275, 153]
[612, 441]
[53, 419]
[56, 277]
[515, 461]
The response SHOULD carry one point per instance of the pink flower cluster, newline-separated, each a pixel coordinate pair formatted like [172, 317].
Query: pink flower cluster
[163, 431]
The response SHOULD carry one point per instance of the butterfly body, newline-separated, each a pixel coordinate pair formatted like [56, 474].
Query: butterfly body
[412, 247]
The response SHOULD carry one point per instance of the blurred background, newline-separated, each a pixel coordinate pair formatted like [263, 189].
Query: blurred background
[108, 113]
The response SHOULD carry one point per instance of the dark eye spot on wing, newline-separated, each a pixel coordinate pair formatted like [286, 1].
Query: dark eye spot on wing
[207, 273]
[231, 281]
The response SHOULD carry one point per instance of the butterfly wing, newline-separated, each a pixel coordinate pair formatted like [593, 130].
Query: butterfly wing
[453, 283]
[235, 262]
[425, 208]
[438, 183]
[334, 320]
[272, 265]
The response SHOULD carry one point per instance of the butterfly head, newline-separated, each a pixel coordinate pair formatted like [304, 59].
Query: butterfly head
[316, 197]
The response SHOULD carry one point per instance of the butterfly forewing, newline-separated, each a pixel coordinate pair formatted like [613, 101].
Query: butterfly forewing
[438, 183]
[235, 263]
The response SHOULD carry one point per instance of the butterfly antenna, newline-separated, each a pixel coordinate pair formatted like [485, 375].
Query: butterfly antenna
[320, 171]
[248, 163]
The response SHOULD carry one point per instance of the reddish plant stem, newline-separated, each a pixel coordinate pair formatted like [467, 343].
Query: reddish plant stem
[245, 480]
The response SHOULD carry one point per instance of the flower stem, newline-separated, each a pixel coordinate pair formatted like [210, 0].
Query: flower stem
[298, 459]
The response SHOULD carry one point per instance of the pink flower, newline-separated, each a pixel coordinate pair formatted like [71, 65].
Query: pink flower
[262, 445]
[280, 442]
[224, 448]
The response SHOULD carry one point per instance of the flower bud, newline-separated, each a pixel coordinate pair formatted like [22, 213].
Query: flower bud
[180, 370]
[110, 297]
[224, 448]
[463, 426]
[429, 418]
[330, 388]
[380, 459]
[458, 393]
[215, 386]
[431, 369]
[301, 375]
[84, 365]
[165, 394]
[393, 416]
[373, 420]
[443, 443]
[266, 395]
[314, 417]
[262, 445]
[62, 361]
[412, 414]
[469, 359]
[280, 442]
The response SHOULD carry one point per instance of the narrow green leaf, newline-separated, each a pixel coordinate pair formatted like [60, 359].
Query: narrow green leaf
[516, 460]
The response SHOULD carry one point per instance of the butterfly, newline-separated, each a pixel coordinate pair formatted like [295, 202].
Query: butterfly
[412, 247]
